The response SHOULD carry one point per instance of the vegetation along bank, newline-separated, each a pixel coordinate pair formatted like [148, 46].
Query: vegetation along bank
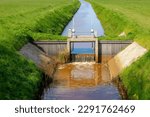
[129, 19]
[20, 22]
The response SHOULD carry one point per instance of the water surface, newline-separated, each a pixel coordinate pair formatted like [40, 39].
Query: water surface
[84, 20]
[81, 81]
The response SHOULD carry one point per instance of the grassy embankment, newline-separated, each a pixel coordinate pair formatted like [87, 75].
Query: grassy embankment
[133, 18]
[22, 21]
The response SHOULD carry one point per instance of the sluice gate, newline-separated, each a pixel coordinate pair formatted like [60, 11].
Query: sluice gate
[83, 49]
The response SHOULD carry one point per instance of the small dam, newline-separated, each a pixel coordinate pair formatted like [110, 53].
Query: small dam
[89, 72]
[95, 52]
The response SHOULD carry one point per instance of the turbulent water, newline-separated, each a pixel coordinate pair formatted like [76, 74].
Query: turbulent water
[82, 81]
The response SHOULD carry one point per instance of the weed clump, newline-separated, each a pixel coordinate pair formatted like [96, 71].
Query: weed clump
[63, 56]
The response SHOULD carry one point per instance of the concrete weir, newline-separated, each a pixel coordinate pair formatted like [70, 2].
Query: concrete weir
[105, 47]
[90, 78]
[124, 52]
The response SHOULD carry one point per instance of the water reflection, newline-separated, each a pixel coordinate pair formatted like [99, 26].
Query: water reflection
[84, 20]
[81, 81]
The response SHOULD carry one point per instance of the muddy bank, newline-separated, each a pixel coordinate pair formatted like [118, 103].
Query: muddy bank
[122, 90]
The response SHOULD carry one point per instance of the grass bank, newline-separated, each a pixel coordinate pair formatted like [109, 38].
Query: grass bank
[34, 20]
[30, 20]
[133, 18]
[115, 23]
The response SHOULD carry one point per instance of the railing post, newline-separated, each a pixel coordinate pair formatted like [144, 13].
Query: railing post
[95, 34]
[96, 50]
[69, 33]
[92, 32]
[69, 48]
[73, 33]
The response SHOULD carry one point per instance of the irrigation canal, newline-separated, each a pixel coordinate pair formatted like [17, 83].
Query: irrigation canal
[82, 80]
[84, 20]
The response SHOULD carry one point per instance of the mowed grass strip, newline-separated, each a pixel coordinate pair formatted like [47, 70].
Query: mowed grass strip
[45, 18]
[15, 7]
[133, 18]
[136, 10]
[22, 21]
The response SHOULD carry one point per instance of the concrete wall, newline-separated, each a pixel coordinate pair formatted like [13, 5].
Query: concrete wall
[125, 58]
[44, 62]
[112, 47]
[32, 52]
[52, 47]
[105, 47]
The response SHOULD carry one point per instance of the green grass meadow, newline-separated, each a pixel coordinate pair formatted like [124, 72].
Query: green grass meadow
[133, 18]
[22, 21]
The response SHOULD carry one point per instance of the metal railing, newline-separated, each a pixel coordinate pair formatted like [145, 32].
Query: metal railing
[73, 33]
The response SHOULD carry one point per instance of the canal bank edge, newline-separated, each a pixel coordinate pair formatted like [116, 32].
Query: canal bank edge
[125, 58]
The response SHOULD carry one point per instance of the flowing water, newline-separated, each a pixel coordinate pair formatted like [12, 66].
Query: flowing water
[84, 20]
[82, 80]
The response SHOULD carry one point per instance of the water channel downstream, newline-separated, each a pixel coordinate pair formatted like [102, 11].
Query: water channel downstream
[82, 80]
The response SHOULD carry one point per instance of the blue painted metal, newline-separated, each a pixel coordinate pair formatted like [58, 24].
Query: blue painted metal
[82, 51]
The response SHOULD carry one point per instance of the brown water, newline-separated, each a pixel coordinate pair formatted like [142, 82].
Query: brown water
[82, 81]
